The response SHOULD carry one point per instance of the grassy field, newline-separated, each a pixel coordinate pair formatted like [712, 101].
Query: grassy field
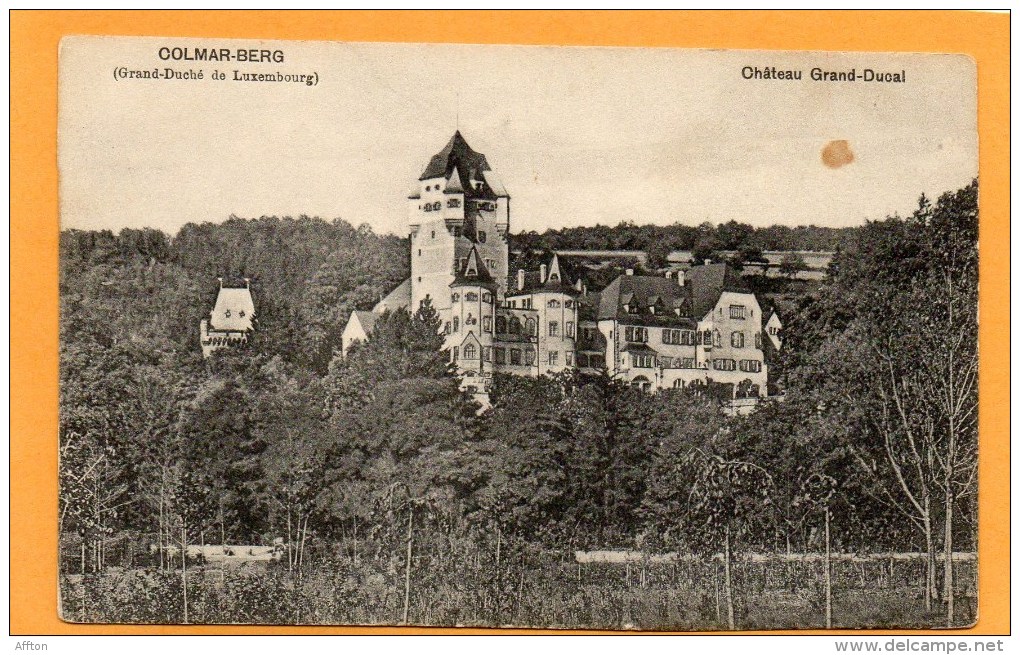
[554, 592]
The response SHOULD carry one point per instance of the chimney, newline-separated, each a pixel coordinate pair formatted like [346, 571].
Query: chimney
[630, 271]
[541, 274]
[221, 281]
[520, 279]
[680, 278]
[247, 283]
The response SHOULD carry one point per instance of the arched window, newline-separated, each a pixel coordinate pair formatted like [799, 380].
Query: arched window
[500, 325]
[487, 323]
[553, 304]
[532, 327]
[470, 352]
[737, 339]
[641, 382]
[515, 325]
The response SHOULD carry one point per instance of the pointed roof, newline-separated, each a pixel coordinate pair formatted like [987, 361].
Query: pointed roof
[470, 166]
[454, 185]
[473, 272]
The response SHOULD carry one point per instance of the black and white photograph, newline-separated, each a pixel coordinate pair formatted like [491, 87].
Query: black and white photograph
[635, 339]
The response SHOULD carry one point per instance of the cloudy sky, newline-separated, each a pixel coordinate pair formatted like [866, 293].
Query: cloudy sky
[579, 136]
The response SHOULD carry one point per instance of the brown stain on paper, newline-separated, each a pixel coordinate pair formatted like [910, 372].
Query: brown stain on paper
[837, 154]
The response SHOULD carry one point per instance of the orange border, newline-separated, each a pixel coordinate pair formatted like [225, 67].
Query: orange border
[34, 39]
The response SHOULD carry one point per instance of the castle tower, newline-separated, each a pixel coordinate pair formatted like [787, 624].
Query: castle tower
[457, 205]
[473, 304]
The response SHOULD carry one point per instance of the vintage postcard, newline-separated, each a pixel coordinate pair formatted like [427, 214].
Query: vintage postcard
[555, 337]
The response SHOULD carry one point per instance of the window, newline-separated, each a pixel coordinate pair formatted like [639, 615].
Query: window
[750, 366]
[773, 330]
[470, 352]
[241, 313]
[487, 323]
[678, 337]
[486, 353]
[716, 339]
[568, 358]
[554, 358]
[554, 328]
[419, 252]
[531, 325]
[569, 304]
[529, 357]
[446, 328]
[582, 360]
[526, 303]
[453, 203]
[455, 297]
[757, 340]
[553, 304]
[500, 325]
[588, 333]
[481, 236]
[515, 356]
[487, 297]
[500, 355]
[666, 362]
[636, 334]
[737, 311]
[470, 320]
[515, 325]
[471, 296]
[737, 339]
[724, 365]
[433, 234]
[456, 324]
[684, 362]
[453, 353]
[570, 329]
[642, 361]
[226, 314]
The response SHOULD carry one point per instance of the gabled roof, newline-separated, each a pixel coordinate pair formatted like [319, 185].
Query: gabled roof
[469, 165]
[399, 298]
[473, 272]
[367, 320]
[234, 310]
[707, 283]
[556, 281]
[642, 291]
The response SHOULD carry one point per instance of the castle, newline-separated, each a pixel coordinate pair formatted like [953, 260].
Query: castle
[686, 328]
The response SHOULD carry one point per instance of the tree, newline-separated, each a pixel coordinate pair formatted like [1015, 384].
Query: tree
[792, 264]
[731, 500]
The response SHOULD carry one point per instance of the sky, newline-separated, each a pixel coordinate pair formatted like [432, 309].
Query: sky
[579, 136]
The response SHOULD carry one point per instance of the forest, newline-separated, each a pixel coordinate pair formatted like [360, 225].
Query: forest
[390, 497]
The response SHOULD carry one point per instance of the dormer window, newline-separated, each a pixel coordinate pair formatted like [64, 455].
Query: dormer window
[455, 297]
